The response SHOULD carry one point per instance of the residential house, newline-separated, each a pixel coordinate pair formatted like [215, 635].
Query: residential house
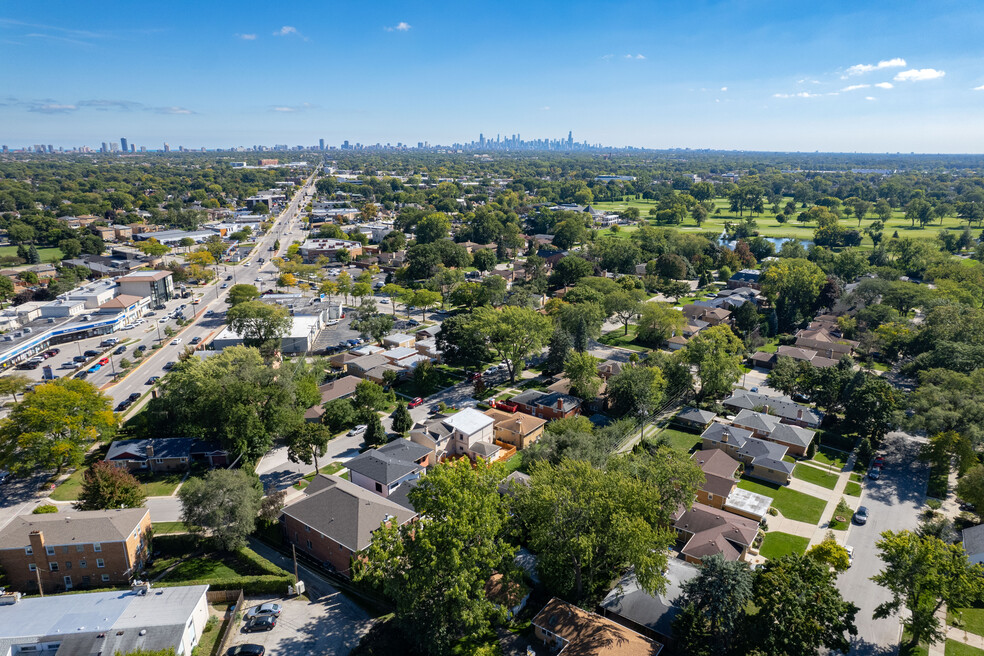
[465, 433]
[745, 278]
[783, 407]
[385, 469]
[399, 340]
[517, 429]
[694, 419]
[510, 595]
[973, 543]
[720, 488]
[795, 439]
[762, 459]
[806, 355]
[141, 620]
[610, 368]
[554, 405]
[704, 531]
[731, 299]
[165, 454]
[336, 518]
[825, 343]
[651, 615]
[340, 388]
[75, 549]
[712, 315]
[568, 630]
[342, 360]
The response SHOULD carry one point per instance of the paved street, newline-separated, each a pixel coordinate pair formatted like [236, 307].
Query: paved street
[893, 502]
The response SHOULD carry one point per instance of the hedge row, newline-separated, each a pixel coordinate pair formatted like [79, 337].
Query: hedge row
[253, 559]
[257, 585]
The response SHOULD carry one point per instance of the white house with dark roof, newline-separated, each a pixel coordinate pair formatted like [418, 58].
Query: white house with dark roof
[466, 433]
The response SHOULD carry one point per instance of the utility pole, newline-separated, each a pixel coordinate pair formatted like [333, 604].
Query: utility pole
[293, 548]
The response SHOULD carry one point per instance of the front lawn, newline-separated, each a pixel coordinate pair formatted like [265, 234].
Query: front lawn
[69, 489]
[619, 338]
[852, 489]
[154, 485]
[777, 545]
[792, 504]
[971, 620]
[680, 440]
[439, 379]
[327, 470]
[831, 456]
[955, 648]
[195, 569]
[167, 528]
[815, 476]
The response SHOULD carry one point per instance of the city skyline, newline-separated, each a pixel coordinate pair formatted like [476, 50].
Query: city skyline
[887, 77]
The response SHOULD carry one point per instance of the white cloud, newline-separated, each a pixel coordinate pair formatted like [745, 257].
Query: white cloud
[885, 85]
[724, 88]
[607, 57]
[919, 74]
[247, 37]
[106, 105]
[801, 94]
[858, 69]
[980, 88]
[173, 110]
[869, 97]
[635, 56]
[545, 108]
[286, 30]
[283, 109]
[52, 108]
[855, 87]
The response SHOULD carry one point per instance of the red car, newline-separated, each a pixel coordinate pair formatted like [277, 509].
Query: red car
[104, 361]
[417, 401]
[879, 461]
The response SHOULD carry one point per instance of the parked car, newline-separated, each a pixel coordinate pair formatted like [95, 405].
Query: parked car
[175, 341]
[112, 341]
[123, 405]
[264, 623]
[417, 401]
[246, 650]
[358, 430]
[79, 358]
[152, 380]
[861, 515]
[82, 375]
[850, 554]
[68, 365]
[30, 364]
[878, 461]
[874, 473]
[91, 354]
[264, 609]
[133, 397]
[53, 352]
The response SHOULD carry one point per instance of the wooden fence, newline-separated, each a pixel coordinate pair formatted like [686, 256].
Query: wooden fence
[221, 596]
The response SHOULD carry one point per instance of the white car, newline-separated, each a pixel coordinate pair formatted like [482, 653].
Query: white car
[164, 319]
[175, 341]
[358, 430]
[265, 609]
[850, 554]
[332, 322]
[384, 301]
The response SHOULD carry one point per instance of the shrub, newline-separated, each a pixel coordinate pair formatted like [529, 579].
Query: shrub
[773, 512]
[934, 504]
[45, 509]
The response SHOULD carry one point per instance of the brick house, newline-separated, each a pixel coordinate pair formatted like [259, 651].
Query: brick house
[336, 519]
[768, 427]
[75, 549]
[517, 429]
[763, 459]
[704, 531]
[720, 476]
[566, 629]
[554, 405]
[165, 454]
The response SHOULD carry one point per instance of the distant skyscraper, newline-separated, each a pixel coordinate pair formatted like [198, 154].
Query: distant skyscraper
[570, 138]
[6, 150]
[105, 148]
[481, 139]
[321, 144]
[123, 145]
[167, 147]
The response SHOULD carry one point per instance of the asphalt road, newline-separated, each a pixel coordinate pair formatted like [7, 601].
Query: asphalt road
[894, 502]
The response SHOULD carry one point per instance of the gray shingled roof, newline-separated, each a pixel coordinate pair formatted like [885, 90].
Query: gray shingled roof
[529, 397]
[404, 449]
[164, 447]
[653, 611]
[345, 512]
[973, 540]
[73, 527]
[718, 432]
[485, 449]
[696, 415]
[381, 467]
[781, 406]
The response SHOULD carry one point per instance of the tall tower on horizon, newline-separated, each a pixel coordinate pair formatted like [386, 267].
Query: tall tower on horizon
[123, 145]
[570, 138]
[321, 144]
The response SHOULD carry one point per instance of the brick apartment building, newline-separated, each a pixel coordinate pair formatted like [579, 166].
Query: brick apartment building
[74, 549]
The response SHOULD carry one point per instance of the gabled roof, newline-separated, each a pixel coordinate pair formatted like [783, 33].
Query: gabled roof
[590, 634]
[566, 401]
[696, 415]
[653, 611]
[485, 449]
[403, 449]
[73, 527]
[723, 433]
[719, 471]
[381, 467]
[781, 406]
[164, 447]
[756, 421]
[792, 435]
[714, 531]
[515, 422]
[335, 389]
[529, 397]
[345, 512]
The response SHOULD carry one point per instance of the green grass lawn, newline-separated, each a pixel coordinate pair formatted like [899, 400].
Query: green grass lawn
[160, 485]
[201, 568]
[440, 379]
[167, 528]
[852, 489]
[954, 648]
[327, 470]
[618, 338]
[680, 440]
[971, 620]
[792, 504]
[70, 488]
[857, 477]
[47, 254]
[776, 544]
[831, 456]
[514, 463]
[815, 476]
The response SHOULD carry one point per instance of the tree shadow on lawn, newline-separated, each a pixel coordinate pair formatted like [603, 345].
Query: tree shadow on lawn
[904, 476]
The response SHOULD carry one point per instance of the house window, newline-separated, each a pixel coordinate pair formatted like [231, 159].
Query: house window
[31, 567]
[379, 488]
[309, 545]
[68, 564]
[100, 562]
[53, 566]
[159, 461]
[97, 547]
[50, 551]
[80, 548]
[29, 551]
[85, 580]
[710, 497]
[83, 564]
[105, 578]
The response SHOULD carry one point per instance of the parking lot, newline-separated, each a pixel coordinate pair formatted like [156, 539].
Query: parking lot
[331, 625]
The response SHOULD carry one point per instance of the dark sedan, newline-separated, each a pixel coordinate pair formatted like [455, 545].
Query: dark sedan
[263, 623]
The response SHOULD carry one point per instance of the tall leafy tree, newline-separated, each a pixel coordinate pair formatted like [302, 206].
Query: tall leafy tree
[307, 442]
[636, 390]
[582, 321]
[54, 426]
[375, 432]
[714, 605]
[511, 334]
[797, 281]
[623, 305]
[463, 521]
[716, 352]
[242, 293]
[261, 325]
[658, 322]
[106, 486]
[922, 573]
[402, 421]
[459, 344]
[800, 610]
[582, 370]
[222, 506]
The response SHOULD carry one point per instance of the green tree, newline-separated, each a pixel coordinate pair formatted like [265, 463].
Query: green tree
[582, 321]
[746, 317]
[716, 352]
[798, 282]
[423, 299]
[106, 486]
[511, 334]
[402, 421]
[392, 292]
[261, 325]
[582, 370]
[871, 406]
[623, 305]
[484, 260]
[714, 605]
[922, 574]
[459, 344]
[561, 345]
[13, 384]
[242, 293]
[306, 442]
[222, 506]
[658, 322]
[6, 289]
[949, 447]
[375, 326]
[153, 248]
[54, 426]
[375, 433]
[569, 270]
[636, 390]
[970, 487]
[829, 552]
[586, 524]
[463, 520]
[370, 395]
[339, 415]
[800, 610]
[785, 375]
[433, 227]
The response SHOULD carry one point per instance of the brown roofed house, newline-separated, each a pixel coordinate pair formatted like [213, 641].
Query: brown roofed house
[719, 476]
[342, 388]
[516, 428]
[571, 631]
[705, 531]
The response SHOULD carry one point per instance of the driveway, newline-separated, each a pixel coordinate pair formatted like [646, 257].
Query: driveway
[894, 502]
[330, 625]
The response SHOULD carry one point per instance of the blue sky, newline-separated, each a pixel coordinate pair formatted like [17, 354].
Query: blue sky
[757, 75]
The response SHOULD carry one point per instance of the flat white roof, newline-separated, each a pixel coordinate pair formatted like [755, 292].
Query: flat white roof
[749, 502]
[469, 421]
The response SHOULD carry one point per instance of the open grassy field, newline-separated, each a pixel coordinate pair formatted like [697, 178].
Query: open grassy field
[769, 227]
[776, 544]
[792, 504]
[47, 254]
[815, 476]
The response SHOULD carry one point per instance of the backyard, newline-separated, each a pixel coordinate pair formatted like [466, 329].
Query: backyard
[680, 440]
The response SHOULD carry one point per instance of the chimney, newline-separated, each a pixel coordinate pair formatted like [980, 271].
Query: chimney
[150, 450]
[799, 413]
[560, 404]
[37, 542]
[724, 436]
